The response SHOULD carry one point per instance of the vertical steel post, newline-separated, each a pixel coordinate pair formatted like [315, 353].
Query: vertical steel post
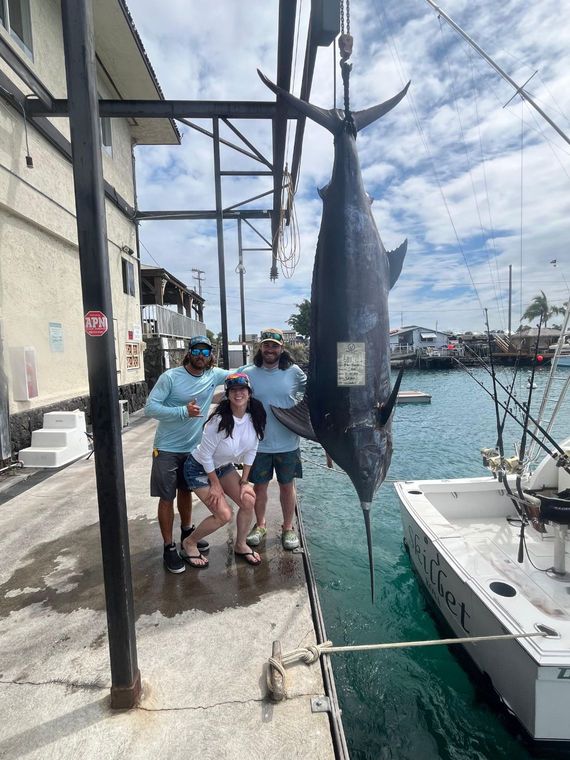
[241, 270]
[510, 296]
[79, 47]
[220, 235]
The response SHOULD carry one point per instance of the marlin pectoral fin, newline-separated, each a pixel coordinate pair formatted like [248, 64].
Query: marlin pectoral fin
[329, 119]
[395, 261]
[297, 419]
[364, 118]
[386, 409]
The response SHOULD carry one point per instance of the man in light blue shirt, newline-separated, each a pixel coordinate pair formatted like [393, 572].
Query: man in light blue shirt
[179, 401]
[277, 381]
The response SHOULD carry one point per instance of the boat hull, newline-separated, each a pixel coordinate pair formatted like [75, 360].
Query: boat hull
[538, 694]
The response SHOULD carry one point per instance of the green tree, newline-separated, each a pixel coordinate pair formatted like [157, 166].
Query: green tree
[301, 321]
[539, 307]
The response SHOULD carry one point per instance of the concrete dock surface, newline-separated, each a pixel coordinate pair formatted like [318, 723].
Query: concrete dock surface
[203, 636]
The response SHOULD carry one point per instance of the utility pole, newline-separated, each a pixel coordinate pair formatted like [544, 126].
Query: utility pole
[197, 276]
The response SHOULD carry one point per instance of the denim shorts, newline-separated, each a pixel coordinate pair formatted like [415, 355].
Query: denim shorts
[287, 466]
[196, 477]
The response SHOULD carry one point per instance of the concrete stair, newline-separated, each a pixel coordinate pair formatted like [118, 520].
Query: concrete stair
[61, 440]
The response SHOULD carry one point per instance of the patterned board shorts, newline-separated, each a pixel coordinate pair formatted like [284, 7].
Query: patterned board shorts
[196, 476]
[287, 466]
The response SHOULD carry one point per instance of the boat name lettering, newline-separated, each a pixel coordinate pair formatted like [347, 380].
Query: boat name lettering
[435, 577]
[564, 673]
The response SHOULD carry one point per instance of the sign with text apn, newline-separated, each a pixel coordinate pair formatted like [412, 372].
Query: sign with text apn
[96, 324]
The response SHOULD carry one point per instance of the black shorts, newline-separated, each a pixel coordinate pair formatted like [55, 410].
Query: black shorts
[167, 474]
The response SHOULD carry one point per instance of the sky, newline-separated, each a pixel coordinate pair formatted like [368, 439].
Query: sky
[474, 182]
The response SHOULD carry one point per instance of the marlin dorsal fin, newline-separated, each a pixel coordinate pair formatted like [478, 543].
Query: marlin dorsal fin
[386, 409]
[396, 261]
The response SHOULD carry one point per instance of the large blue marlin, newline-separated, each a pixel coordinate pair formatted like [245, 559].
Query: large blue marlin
[349, 402]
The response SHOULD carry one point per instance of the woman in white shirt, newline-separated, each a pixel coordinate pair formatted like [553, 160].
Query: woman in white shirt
[231, 434]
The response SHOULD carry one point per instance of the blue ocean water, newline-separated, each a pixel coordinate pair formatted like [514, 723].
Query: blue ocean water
[418, 704]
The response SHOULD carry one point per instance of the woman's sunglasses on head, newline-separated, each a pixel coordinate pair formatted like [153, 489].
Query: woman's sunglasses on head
[202, 351]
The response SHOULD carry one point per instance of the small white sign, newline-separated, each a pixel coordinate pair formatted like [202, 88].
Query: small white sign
[137, 333]
[351, 364]
[56, 337]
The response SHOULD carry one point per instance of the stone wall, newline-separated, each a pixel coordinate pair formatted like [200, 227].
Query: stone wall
[154, 357]
[24, 423]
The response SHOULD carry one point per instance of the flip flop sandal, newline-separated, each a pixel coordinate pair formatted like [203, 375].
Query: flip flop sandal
[244, 556]
[189, 557]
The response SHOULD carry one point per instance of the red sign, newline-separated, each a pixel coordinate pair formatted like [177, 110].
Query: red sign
[96, 323]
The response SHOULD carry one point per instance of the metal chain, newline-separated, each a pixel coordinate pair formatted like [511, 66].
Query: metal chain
[342, 2]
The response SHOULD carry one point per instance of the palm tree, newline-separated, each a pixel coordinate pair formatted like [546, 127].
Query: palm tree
[539, 307]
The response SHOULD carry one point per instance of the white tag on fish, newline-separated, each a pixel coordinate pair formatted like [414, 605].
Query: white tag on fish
[351, 364]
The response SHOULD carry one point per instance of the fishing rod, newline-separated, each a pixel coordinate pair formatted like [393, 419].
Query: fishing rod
[521, 407]
[530, 389]
[559, 456]
[495, 395]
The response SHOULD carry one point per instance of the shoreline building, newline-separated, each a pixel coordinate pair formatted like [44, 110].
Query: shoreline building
[42, 345]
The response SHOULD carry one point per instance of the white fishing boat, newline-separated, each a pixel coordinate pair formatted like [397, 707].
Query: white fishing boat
[463, 537]
[492, 552]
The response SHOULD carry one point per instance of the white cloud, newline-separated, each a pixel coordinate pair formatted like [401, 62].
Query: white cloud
[444, 167]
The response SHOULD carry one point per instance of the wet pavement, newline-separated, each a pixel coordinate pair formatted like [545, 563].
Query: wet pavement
[203, 636]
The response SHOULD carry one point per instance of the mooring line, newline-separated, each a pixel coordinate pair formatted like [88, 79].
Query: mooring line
[311, 653]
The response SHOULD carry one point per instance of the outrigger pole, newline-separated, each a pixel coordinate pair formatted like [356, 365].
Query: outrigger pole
[519, 88]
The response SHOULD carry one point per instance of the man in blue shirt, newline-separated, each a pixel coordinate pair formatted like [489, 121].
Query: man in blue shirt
[179, 401]
[275, 380]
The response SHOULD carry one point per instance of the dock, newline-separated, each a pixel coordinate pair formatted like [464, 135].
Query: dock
[413, 397]
[203, 637]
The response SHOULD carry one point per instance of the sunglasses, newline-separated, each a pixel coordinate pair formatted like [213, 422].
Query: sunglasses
[236, 382]
[272, 336]
[202, 351]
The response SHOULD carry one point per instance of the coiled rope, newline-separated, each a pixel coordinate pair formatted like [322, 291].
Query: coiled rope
[276, 675]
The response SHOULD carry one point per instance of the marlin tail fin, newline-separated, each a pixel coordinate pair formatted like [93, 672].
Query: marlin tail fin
[333, 119]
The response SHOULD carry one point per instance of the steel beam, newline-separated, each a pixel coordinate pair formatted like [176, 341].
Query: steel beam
[287, 15]
[26, 74]
[166, 109]
[79, 48]
[182, 215]
[241, 272]
[220, 236]
[306, 84]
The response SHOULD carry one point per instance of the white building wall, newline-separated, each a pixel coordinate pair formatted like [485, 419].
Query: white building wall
[39, 262]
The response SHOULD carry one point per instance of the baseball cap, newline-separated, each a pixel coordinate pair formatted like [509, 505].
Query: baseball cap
[237, 380]
[199, 340]
[273, 334]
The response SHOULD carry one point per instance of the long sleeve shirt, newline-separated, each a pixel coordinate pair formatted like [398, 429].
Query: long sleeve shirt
[177, 431]
[217, 448]
[277, 387]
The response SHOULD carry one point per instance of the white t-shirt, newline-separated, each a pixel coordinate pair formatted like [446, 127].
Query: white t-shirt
[216, 450]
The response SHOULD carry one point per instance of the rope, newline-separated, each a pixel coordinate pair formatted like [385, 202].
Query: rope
[312, 652]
